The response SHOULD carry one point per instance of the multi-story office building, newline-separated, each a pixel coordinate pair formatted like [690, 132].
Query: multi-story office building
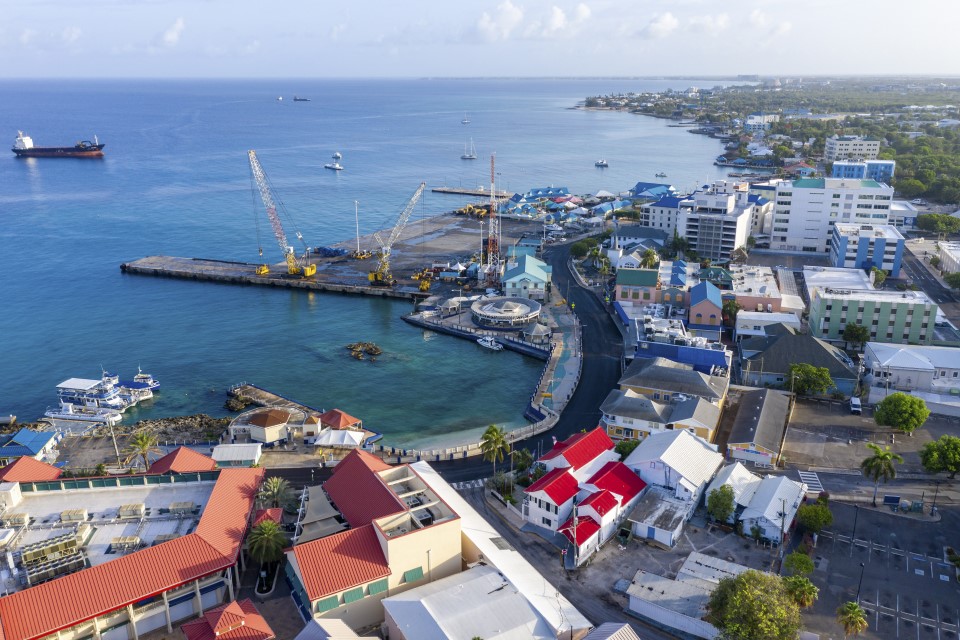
[891, 316]
[843, 147]
[807, 209]
[950, 257]
[865, 246]
[879, 170]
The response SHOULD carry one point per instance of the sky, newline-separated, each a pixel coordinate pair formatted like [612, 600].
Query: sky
[473, 38]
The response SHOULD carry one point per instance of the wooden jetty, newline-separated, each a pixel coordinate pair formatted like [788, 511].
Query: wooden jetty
[246, 273]
[466, 191]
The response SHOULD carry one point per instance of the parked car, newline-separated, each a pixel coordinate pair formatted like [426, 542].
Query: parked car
[855, 407]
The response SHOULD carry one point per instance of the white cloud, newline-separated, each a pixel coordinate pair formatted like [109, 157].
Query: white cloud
[661, 26]
[558, 23]
[582, 13]
[558, 19]
[710, 24]
[172, 35]
[758, 18]
[71, 35]
[253, 47]
[500, 25]
[27, 36]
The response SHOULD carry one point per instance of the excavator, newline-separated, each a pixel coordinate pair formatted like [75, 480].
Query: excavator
[296, 265]
[382, 276]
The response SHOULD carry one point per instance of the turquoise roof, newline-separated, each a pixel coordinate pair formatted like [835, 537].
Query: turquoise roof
[706, 291]
[529, 266]
[819, 183]
[25, 443]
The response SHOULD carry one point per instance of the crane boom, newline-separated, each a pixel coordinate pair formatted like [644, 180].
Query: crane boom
[382, 275]
[293, 265]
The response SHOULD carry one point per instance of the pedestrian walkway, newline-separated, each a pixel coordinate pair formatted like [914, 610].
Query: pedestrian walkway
[469, 484]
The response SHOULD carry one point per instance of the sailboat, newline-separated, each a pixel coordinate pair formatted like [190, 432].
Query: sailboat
[469, 154]
[465, 120]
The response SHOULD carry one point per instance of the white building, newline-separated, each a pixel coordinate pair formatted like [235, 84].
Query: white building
[719, 219]
[807, 209]
[751, 323]
[855, 147]
[865, 246]
[760, 121]
[676, 460]
[908, 368]
[773, 507]
[950, 257]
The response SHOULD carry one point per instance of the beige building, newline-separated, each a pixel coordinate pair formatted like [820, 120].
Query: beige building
[853, 147]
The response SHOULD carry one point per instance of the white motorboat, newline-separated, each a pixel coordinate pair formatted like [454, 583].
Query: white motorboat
[465, 120]
[490, 343]
[469, 153]
[335, 166]
[601, 163]
[68, 411]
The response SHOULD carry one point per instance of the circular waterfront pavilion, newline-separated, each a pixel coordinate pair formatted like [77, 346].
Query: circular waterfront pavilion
[504, 313]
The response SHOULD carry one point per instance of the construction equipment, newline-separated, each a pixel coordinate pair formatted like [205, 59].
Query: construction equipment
[382, 276]
[295, 265]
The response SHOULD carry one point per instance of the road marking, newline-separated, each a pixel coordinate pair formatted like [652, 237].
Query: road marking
[812, 480]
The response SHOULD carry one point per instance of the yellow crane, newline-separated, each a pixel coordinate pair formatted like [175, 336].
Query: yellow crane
[382, 276]
[296, 265]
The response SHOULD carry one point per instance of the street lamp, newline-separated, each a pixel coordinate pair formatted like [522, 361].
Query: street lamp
[792, 380]
[854, 536]
[860, 584]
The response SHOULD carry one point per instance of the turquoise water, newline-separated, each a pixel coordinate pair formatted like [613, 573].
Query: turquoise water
[175, 181]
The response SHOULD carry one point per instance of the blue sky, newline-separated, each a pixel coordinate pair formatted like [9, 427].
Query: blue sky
[470, 38]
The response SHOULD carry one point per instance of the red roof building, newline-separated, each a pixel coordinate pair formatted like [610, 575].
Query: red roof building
[270, 418]
[618, 479]
[238, 620]
[275, 514]
[84, 596]
[603, 502]
[579, 449]
[355, 477]
[559, 485]
[341, 561]
[183, 460]
[586, 528]
[337, 419]
[25, 469]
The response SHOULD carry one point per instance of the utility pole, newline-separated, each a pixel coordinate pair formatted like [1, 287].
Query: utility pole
[783, 517]
[356, 215]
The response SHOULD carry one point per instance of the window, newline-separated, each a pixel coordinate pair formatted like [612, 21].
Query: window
[328, 603]
[653, 465]
[547, 521]
[413, 575]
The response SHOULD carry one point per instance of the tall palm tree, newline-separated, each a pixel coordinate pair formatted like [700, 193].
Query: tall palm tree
[803, 592]
[880, 466]
[275, 492]
[852, 618]
[522, 459]
[649, 259]
[494, 445]
[141, 446]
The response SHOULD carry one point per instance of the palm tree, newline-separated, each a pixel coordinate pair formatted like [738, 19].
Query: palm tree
[852, 618]
[494, 445]
[649, 259]
[141, 446]
[803, 592]
[880, 466]
[522, 459]
[275, 492]
[265, 544]
[100, 470]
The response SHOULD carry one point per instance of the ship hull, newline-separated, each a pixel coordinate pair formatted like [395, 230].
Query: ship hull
[91, 151]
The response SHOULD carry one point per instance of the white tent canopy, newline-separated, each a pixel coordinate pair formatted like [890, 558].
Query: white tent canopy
[343, 438]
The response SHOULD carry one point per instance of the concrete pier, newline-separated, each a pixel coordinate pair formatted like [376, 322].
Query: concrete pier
[467, 191]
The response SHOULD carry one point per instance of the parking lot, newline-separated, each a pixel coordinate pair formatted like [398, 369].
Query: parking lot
[896, 566]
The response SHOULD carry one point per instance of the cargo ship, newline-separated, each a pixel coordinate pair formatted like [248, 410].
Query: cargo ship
[23, 147]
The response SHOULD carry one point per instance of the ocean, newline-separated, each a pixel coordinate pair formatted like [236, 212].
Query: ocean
[175, 180]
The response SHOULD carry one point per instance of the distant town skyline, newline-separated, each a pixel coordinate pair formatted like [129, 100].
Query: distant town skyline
[476, 38]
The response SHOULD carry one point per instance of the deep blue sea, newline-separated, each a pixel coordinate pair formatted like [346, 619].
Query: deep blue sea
[176, 181]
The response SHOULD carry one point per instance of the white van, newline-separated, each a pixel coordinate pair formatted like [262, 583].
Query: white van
[855, 407]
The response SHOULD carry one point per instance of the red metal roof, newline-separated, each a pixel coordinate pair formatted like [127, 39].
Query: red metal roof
[269, 418]
[617, 478]
[581, 448]
[46, 608]
[558, 484]
[238, 620]
[602, 502]
[337, 419]
[586, 527]
[357, 490]
[26, 469]
[183, 460]
[275, 514]
[341, 561]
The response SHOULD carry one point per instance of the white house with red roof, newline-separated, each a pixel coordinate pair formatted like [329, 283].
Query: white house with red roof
[583, 453]
[549, 501]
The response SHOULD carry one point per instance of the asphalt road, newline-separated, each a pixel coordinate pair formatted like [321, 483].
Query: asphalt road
[922, 278]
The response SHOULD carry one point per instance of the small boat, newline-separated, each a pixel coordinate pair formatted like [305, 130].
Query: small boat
[68, 411]
[144, 379]
[299, 99]
[601, 163]
[465, 120]
[661, 175]
[490, 343]
[335, 166]
[279, 98]
[470, 154]
[337, 155]
[553, 227]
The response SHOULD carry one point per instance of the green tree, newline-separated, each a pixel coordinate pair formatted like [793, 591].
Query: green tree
[754, 606]
[493, 445]
[649, 259]
[814, 517]
[100, 470]
[901, 411]
[275, 493]
[943, 454]
[266, 542]
[729, 311]
[910, 188]
[935, 262]
[522, 459]
[141, 446]
[855, 333]
[798, 564]
[803, 592]
[626, 447]
[806, 378]
[879, 276]
[579, 249]
[720, 504]
[852, 618]
[953, 279]
[938, 223]
[880, 466]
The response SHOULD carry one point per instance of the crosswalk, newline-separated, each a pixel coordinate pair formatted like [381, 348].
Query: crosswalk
[812, 480]
[469, 484]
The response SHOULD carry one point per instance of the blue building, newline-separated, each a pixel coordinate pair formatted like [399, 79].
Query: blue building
[879, 170]
[865, 246]
[32, 444]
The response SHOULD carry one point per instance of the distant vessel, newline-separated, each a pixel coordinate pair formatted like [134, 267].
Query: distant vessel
[601, 163]
[336, 166]
[279, 98]
[67, 411]
[23, 147]
[106, 393]
[661, 175]
[470, 154]
[337, 155]
[490, 343]
[465, 120]
[299, 99]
